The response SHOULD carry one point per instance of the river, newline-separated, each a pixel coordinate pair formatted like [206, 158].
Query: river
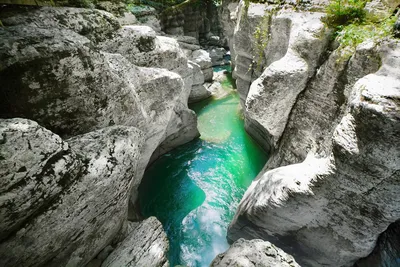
[194, 190]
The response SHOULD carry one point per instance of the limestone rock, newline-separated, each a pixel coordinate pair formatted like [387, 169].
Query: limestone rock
[284, 79]
[142, 47]
[217, 56]
[243, 42]
[187, 42]
[35, 167]
[146, 245]
[127, 19]
[76, 225]
[377, 8]
[203, 58]
[387, 249]
[65, 82]
[94, 24]
[47, 92]
[316, 113]
[147, 16]
[249, 253]
[329, 210]
[198, 77]
[228, 13]
[114, 7]
[198, 93]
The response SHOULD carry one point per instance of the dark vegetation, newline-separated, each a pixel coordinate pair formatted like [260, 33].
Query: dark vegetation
[353, 25]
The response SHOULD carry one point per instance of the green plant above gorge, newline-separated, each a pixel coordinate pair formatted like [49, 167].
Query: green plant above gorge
[353, 25]
[344, 12]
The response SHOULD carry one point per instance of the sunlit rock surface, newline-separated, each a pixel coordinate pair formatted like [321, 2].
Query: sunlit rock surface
[249, 253]
[111, 114]
[146, 245]
[289, 68]
[69, 222]
[330, 207]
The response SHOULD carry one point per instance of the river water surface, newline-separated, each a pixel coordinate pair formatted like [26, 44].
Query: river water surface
[194, 190]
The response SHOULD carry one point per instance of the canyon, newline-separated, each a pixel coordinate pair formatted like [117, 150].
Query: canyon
[91, 100]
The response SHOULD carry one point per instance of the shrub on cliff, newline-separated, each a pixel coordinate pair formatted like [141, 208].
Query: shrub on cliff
[353, 25]
[344, 12]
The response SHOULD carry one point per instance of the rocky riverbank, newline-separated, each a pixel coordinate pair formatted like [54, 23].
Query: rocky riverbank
[86, 105]
[330, 123]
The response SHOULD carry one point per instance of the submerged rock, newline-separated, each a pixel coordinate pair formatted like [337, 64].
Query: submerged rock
[248, 253]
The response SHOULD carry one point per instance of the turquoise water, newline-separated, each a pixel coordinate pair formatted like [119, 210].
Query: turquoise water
[194, 190]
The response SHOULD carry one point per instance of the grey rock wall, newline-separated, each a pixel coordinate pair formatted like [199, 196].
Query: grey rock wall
[328, 191]
[71, 222]
[112, 98]
[330, 123]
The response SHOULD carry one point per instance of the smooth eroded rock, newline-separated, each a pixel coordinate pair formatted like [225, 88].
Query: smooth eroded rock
[329, 210]
[146, 245]
[85, 217]
[256, 252]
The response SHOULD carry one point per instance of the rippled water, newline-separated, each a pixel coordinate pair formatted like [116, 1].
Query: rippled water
[194, 190]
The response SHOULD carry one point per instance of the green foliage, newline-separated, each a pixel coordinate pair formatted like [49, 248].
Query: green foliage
[353, 26]
[344, 12]
[261, 36]
[354, 34]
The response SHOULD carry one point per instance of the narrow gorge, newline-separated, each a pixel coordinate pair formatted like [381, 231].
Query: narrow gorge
[199, 133]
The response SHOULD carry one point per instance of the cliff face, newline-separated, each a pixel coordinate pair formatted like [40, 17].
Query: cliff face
[330, 123]
[106, 98]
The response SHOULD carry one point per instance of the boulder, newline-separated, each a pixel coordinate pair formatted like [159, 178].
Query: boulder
[98, 168]
[146, 16]
[146, 245]
[142, 47]
[113, 7]
[96, 25]
[217, 55]
[127, 18]
[198, 93]
[36, 166]
[198, 77]
[203, 58]
[248, 253]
